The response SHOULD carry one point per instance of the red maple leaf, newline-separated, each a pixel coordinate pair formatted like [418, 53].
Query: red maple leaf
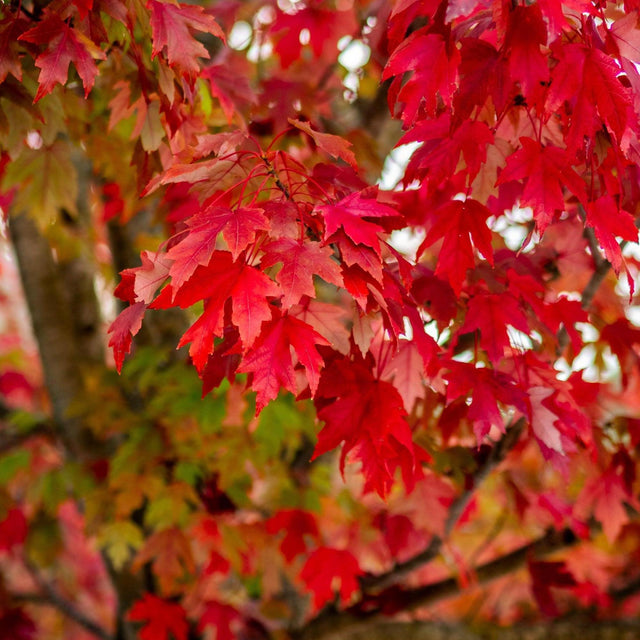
[13, 529]
[149, 276]
[609, 222]
[491, 314]
[368, 415]
[224, 618]
[297, 524]
[460, 225]
[335, 146]
[325, 28]
[607, 495]
[124, 328]
[442, 147]
[487, 388]
[588, 79]
[526, 33]
[172, 25]
[270, 358]
[229, 82]
[621, 336]
[624, 32]
[221, 280]
[237, 226]
[545, 575]
[329, 569]
[483, 73]
[546, 170]
[327, 319]
[163, 618]
[351, 215]
[300, 261]
[11, 27]
[64, 45]
[429, 81]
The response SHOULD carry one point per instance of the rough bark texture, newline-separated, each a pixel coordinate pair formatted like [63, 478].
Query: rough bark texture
[53, 325]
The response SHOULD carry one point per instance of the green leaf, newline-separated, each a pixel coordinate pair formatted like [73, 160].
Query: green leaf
[11, 463]
[46, 182]
[119, 540]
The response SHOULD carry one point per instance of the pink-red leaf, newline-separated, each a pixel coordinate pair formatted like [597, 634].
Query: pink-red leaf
[65, 45]
[172, 25]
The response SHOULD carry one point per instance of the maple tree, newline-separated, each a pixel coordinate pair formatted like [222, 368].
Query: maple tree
[273, 391]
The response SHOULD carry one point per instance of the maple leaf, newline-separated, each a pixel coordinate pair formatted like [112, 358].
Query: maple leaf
[458, 223]
[526, 33]
[546, 170]
[327, 319]
[621, 337]
[65, 45]
[624, 32]
[169, 551]
[270, 358]
[544, 419]
[439, 155]
[124, 328]
[13, 529]
[165, 620]
[351, 215]
[588, 78]
[358, 255]
[490, 314]
[11, 27]
[605, 496]
[368, 415]
[545, 575]
[237, 226]
[327, 569]
[297, 524]
[150, 275]
[172, 25]
[325, 28]
[487, 388]
[608, 222]
[428, 82]
[483, 73]
[222, 279]
[300, 260]
[406, 370]
[229, 82]
[224, 618]
[335, 146]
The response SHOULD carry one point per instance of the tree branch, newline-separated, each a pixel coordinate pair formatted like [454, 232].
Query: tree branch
[340, 625]
[496, 456]
[50, 597]
[52, 324]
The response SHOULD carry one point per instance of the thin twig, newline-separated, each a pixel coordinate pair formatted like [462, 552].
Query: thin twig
[51, 597]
